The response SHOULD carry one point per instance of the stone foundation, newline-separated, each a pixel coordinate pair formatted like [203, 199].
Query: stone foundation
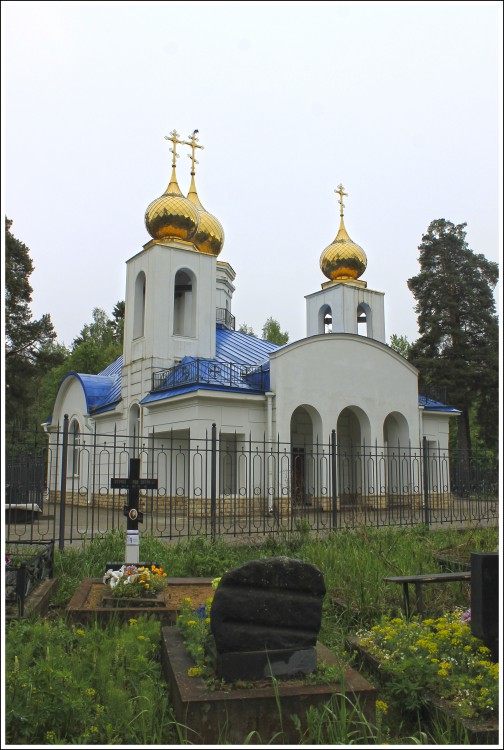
[209, 716]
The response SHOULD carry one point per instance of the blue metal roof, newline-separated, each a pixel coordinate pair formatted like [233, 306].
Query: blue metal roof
[429, 404]
[103, 391]
[232, 348]
[235, 346]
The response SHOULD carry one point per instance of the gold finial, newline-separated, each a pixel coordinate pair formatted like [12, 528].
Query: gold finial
[173, 137]
[340, 190]
[192, 142]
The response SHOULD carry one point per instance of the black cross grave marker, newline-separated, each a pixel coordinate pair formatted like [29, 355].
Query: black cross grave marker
[133, 484]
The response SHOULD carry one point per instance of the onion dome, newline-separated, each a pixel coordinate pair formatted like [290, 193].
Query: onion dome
[209, 237]
[172, 216]
[343, 259]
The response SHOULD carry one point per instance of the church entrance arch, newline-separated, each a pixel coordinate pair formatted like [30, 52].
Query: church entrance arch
[353, 433]
[305, 426]
[397, 455]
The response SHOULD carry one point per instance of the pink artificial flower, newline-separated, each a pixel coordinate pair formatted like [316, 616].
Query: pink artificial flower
[466, 616]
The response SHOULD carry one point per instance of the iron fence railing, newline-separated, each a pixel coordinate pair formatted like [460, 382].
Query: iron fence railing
[225, 318]
[226, 484]
[27, 564]
[209, 372]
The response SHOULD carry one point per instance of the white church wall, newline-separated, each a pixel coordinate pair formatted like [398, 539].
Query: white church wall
[333, 372]
[436, 428]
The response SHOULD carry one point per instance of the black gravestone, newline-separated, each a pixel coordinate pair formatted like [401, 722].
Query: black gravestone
[265, 619]
[485, 599]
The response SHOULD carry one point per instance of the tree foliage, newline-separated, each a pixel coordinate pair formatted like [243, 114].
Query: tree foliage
[271, 332]
[30, 350]
[97, 346]
[244, 328]
[457, 321]
[401, 345]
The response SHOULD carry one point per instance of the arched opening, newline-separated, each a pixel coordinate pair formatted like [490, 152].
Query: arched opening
[397, 456]
[184, 304]
[139, 306]
[73, 449]
[324, 319]
[364, 320]
[305, 427]
[353, 434]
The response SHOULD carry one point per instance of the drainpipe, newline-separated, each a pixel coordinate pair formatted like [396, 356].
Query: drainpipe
[269, 437]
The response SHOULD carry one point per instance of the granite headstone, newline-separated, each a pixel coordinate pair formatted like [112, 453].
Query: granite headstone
[265, 619]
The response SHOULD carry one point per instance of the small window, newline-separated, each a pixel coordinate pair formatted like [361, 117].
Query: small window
[139, 307]
[73, 449]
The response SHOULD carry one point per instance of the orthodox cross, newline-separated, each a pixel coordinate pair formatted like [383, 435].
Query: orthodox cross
[174, 138]
[133, 484]
[192, 142]
[340, 191]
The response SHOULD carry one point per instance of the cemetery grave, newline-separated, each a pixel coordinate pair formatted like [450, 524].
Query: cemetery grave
[29, 582]
[265, 619]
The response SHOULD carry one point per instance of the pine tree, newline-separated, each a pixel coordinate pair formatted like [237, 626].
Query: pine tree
[457, 321]
[28, 342]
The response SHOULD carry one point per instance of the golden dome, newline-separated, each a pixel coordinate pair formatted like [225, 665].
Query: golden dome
[343, 260]
[172, 216]
[209, 237]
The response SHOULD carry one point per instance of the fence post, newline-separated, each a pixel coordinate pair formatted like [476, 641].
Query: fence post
[426, 480]
[64, 461]
[21, 578]
[333, 480]
[213, 483]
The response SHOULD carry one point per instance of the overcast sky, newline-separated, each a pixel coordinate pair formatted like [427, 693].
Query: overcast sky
[398, 101]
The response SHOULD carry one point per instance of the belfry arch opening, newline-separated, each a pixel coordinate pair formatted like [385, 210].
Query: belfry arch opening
[364, 320]
[325, 319]
[184, 304]
[139, 306]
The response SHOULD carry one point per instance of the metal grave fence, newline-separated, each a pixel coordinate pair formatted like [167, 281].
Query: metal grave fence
[229, 485]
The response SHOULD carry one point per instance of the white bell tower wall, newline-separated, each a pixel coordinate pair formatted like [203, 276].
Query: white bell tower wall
[350, 307]
[171, 299]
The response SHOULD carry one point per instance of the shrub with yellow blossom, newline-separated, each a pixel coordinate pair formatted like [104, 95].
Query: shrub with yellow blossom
[441, 656]
[194, 625]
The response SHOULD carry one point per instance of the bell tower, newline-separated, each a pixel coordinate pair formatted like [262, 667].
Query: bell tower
[171, 285]
[344, 304]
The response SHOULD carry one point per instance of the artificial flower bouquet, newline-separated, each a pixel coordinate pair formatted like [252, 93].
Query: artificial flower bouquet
[131, 581]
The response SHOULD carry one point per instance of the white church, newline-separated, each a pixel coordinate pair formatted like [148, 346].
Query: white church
[184, 366]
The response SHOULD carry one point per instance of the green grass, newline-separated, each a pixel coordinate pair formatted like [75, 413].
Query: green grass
[104, 685]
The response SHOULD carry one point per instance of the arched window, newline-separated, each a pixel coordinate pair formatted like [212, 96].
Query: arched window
[139, 307]
[184, 304]
[364, 320]
[73, 449]
[325, 319]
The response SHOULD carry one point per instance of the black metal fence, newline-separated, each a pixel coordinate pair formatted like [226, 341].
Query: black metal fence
[230, 485]
[26, 565]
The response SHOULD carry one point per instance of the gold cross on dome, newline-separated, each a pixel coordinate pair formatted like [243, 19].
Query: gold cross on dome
[340, 190]
[174, 138]
[192, 142]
